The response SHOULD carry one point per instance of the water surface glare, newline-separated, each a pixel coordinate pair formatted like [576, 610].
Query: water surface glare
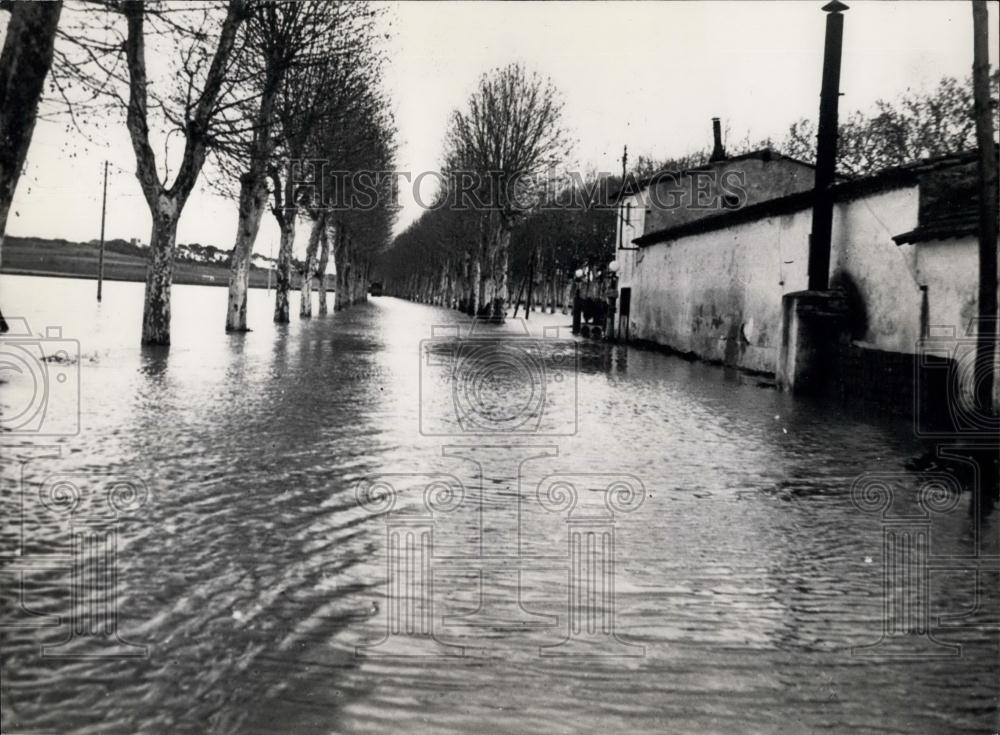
[735, 594]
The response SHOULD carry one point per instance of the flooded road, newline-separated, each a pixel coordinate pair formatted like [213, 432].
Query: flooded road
[687, 556]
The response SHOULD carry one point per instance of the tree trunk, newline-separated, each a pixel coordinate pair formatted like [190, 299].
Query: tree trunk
[338, 266]
[465, 293]
[24, 64]
[355, 275]
[324, 259]
[500, 268]
[359, 280]
[348, 271]
[165, 204]
[309, 267]
[484, 265]
[531, 287]
[554, 290]
[253, 200]
[364, 280]
[486, 285]
[159, 275]
[451, 286]
[283, 272]
[360, 293]
[487, 292]
[476, 285]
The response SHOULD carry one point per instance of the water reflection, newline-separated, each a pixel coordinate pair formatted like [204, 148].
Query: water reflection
[747, 575]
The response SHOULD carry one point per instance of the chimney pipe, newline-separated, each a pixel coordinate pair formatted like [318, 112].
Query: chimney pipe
[718, 152]
[826, 150]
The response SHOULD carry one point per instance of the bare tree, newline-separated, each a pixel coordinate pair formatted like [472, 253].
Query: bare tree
[281, 35]
[364, 147]
[510, 135]
[334, 125]
[316, 100]
[199, 109]
[24, 64]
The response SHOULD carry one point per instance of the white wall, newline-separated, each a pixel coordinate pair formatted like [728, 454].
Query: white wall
[629, 224]
[950, 270]
[718, 294]
[864, 251]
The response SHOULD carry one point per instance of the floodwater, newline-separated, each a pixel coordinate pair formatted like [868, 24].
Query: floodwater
[730, 583]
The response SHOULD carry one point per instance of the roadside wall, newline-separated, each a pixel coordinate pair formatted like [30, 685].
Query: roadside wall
[718, 294]
[949, 270]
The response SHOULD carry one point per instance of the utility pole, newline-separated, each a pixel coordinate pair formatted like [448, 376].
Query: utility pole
[826, 149]
[986, 340]
[100, 258]
[621, 219]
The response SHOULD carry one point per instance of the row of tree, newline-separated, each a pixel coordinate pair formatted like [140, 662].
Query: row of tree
[500, 152]
[278, 98]
[459, 257]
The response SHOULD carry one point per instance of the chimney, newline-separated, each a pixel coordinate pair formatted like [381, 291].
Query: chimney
[826, 150]
[718, 152]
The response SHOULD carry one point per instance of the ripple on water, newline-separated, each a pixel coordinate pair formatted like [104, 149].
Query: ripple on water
[745, 578]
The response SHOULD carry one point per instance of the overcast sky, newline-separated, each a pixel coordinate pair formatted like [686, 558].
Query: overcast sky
[646, 74]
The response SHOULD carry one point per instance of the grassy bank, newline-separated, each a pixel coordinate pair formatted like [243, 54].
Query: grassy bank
[38, 257]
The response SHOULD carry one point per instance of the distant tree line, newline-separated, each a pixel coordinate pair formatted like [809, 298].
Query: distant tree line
[915, 125]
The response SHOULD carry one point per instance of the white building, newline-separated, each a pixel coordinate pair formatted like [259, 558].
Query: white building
[904, 252]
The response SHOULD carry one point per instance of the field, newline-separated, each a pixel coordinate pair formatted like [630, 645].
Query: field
[38, 257]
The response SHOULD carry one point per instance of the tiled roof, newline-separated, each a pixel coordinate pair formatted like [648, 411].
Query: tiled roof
[949, 200]
[633, 185]
[956, 224]
[930, 169]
